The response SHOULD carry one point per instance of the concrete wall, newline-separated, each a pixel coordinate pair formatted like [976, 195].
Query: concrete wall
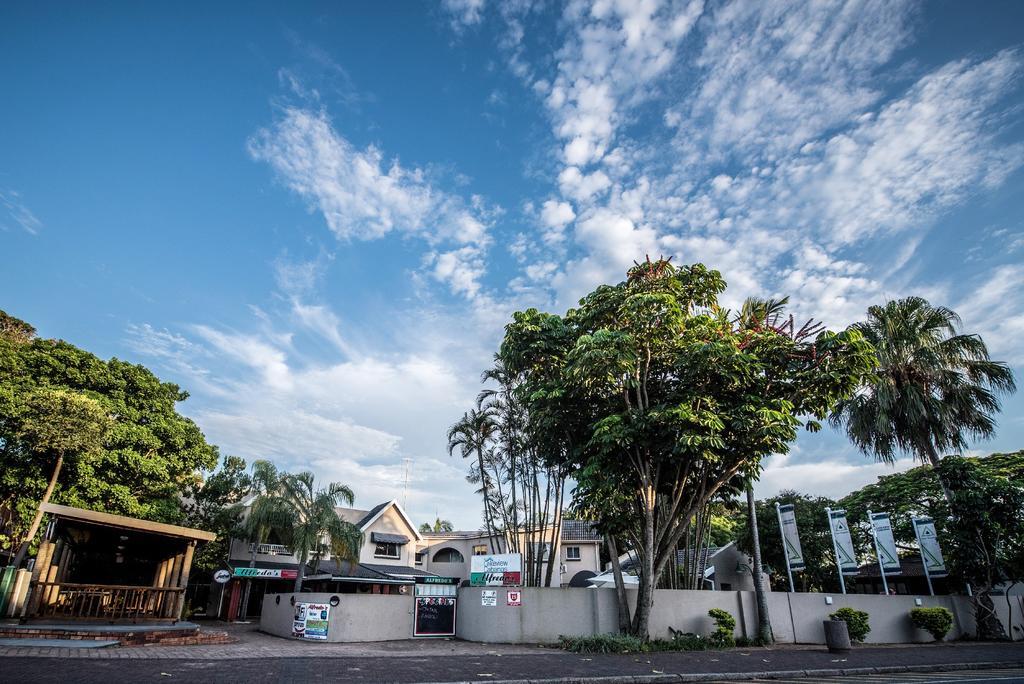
[547, 613]
[796, 618]
[359, 617]
[544, 615]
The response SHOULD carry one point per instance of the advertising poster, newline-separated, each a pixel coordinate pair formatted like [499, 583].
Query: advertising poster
[499, 570]
[311, 621]
[790, 537]
[886, 544]
[435, 616]
[844, 542]
[928, 540]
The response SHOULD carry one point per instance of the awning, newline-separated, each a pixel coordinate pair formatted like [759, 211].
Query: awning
[383, 538]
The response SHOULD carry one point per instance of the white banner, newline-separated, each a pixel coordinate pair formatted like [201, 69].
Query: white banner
[498, 570]
[886, 544]
[843, 542]
[791, 537]
[928, 540]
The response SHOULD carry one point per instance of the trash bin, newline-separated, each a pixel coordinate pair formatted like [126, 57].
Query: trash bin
[837, 636]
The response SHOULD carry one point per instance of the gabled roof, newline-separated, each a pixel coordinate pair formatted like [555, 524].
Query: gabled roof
[377, 511]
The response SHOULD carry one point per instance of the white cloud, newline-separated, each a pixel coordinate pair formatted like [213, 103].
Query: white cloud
[993, 308]
[463, 12]
[18, 213]
[362, 198]
[831, 477]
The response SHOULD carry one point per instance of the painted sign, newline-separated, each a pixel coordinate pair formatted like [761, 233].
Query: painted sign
[266, 573]
[221, 576]
[515, 598]
[435, 616]
[790, 537]
[843, 542]
[888, 557]
[311, 621]
[928, 540]
[498, 570]
[489, 598]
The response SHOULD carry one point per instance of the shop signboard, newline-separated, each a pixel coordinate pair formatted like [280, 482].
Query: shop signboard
[497, 570]
[435, 616]
[266, 573]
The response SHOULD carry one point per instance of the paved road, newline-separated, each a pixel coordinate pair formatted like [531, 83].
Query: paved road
[1000, 676]
[138, 665]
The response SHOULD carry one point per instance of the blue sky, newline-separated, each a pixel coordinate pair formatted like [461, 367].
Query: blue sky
[317, 218]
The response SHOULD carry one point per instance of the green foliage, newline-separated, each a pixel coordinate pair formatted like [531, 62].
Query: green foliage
[312, 520]
[438, 527]
[936, 390]
[148, 455]
[856, 622]
[936, 621]
[725, 624]
[815, 540]
[215, 505]
[658, 398]
[602, 643]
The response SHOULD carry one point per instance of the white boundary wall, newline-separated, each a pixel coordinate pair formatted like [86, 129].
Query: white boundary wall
[547, 613]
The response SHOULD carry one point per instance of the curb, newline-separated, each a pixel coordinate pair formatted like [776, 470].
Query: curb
[746, 676]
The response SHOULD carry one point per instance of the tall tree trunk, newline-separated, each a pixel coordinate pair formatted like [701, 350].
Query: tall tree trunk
[620, 586]
[300, 576]
[38, 519]
[645, 595]
[764, 621]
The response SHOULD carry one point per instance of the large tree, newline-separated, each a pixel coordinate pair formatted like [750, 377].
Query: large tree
[149, 453]
[216, 505]
[675, 397]
[936, 389]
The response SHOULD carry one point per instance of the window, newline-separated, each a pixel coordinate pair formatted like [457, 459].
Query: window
[419, 557]
[572, 553]
[480, 550]
[387, 550]
[448, 555]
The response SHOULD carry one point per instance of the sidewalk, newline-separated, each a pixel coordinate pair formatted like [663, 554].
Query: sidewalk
[259, 657]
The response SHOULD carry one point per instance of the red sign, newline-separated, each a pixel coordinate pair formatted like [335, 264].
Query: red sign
[515, 598]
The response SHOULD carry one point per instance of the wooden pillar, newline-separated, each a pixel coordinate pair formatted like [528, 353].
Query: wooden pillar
[186, 568]
[41, 569]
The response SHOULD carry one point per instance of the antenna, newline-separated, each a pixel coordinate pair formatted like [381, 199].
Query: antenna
[407, 462]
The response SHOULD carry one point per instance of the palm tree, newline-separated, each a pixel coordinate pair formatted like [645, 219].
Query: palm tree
[267, 512]
[316, 524]
[935, 389]
[438, 526]
[471, 435]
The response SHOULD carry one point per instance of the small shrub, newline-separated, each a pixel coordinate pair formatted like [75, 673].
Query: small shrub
[725, 624]
[683, 641]
[936, 621]
[602, 643]
[856, 622]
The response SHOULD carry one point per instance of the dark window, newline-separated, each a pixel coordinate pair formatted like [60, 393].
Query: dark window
[448, 555]
[572, 553]
[480, 550]
[387, 550]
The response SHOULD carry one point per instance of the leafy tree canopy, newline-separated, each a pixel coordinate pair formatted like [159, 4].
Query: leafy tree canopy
[149, 452]
[655, 398]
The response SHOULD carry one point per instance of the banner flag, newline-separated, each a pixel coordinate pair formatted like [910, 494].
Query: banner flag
[791, 537]
[843, 542]
[928, 540]
[886, 544]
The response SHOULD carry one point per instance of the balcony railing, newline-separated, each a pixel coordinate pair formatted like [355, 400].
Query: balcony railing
[270, 549]
[109, 602]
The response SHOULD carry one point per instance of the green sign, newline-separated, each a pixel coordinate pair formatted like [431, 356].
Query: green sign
[437, 580]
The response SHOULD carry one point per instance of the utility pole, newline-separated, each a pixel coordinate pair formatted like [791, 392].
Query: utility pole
[407, 462]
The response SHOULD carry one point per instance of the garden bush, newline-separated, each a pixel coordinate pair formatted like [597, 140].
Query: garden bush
[724, 626]
[936, 621]
[602, 643]
[856, 622]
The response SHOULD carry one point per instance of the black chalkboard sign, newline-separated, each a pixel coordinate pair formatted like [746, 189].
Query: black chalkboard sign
[435, 616]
